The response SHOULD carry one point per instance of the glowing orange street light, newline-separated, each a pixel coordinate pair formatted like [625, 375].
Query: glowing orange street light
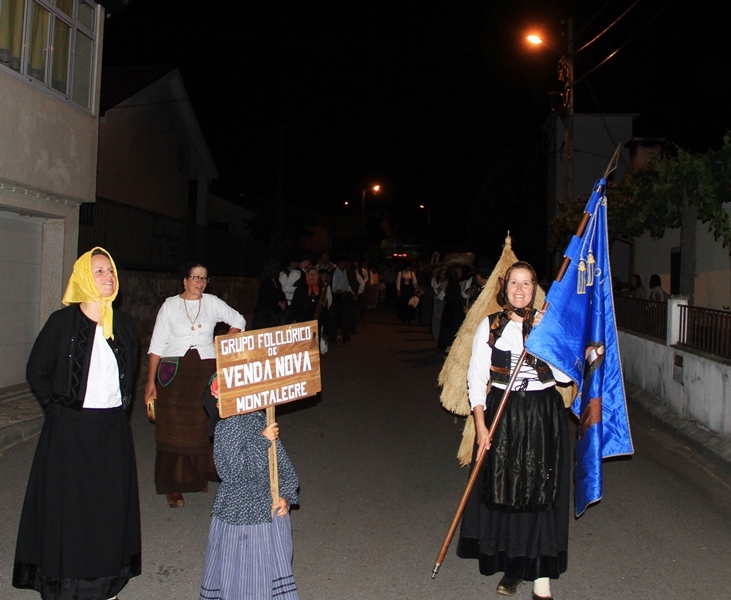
[373, 189]
[428, 216]
[566, 75]
[536, 39]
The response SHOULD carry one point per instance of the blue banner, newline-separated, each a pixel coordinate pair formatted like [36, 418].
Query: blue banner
[578, 335]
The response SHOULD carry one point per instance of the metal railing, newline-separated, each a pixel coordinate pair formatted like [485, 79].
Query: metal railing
[702, 329]
[642, 316]
[706, 329]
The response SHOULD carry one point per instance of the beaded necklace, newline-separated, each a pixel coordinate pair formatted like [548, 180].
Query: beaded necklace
[192, 321]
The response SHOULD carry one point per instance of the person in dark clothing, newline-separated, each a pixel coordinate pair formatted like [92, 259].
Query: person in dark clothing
[343, 306]
[271, 304]
[452, 312]
[249, 553]
[312, 300]
[79, 534]
[406, 282]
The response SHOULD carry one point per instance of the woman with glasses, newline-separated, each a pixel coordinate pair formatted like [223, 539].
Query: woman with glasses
[182, 360]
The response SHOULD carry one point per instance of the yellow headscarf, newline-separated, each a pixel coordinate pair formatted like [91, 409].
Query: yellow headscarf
[82, 288]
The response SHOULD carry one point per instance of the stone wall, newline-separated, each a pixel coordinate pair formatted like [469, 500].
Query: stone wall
[141, 294]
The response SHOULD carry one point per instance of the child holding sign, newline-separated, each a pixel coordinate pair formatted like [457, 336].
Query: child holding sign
[249, 552]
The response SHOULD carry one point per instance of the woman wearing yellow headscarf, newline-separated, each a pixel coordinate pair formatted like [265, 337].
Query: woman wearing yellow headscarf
[79, 534]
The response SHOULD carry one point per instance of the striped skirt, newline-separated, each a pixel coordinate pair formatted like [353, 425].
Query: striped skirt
[249, 562]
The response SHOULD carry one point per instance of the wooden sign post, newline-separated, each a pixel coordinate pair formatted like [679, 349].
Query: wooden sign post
[261, 368]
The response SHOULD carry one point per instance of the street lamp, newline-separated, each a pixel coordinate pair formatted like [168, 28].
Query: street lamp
[374, 190]
[428, 217]
[566, 76]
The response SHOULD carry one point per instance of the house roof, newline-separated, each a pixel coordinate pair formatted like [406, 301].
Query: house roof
[114, 7]
[121, 83]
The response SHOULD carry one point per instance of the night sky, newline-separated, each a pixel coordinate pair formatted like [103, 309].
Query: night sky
[433, 100]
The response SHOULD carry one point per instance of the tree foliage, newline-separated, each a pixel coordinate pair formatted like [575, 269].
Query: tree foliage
[653, 198]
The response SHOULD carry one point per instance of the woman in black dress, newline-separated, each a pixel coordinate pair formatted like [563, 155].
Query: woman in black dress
[271, 305]
[453, 310]
[79, 534]
[516, 520]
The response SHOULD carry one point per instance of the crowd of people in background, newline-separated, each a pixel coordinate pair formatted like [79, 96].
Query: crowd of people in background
[339, 293]
[635, 288]
[335, 294]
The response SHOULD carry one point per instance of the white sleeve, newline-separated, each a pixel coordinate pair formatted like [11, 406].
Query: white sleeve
[161, 331]
[464, 286]
[225, 314]
[288, 282]
[478, 373]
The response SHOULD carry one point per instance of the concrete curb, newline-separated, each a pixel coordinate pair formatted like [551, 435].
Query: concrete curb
[16, 434]
[21, 419]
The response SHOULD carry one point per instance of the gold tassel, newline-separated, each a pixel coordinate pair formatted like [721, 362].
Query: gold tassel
[581, 278]
[590, 269]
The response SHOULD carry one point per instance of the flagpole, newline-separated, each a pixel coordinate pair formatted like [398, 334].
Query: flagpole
[611, 165]
[566, 260]
[506, 394]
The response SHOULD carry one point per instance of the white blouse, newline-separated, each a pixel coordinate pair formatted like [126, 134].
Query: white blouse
[478, 374]
[102, 384]
[183, 324]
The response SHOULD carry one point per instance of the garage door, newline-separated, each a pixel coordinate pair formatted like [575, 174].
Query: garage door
[20, 277]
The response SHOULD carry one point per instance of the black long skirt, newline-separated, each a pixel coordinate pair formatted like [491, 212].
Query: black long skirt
[509, 524]
[79, 534]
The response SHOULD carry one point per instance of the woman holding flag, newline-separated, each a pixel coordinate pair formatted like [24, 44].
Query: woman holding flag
[517, 515]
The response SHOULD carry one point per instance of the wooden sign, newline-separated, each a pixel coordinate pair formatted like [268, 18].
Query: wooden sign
[261, 368]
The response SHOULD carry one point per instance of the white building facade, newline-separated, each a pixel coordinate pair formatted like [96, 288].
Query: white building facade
[50, 68]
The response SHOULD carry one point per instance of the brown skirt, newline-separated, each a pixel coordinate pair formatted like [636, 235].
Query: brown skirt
[184, 460]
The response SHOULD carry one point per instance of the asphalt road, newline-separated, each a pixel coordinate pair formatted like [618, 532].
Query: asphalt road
[375, 454]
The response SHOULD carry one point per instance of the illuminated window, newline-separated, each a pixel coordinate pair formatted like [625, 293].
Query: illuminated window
[51, 41]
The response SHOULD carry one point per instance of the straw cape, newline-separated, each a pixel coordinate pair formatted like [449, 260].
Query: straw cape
[453, 376]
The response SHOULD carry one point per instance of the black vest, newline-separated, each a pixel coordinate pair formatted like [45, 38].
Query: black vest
[500, 370]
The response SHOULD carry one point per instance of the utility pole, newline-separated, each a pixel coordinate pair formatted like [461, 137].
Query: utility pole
[567, 76]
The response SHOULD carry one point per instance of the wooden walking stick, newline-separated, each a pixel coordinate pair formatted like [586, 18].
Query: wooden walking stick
[273, 465]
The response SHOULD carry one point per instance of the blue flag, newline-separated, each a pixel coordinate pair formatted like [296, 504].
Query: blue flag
[578, 335]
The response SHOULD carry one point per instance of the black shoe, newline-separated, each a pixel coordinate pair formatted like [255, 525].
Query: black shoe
[508, 585]
[535, 596]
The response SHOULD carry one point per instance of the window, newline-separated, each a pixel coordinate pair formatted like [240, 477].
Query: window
[51, 41]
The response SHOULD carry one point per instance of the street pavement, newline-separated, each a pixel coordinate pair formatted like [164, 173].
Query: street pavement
[375, 454]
